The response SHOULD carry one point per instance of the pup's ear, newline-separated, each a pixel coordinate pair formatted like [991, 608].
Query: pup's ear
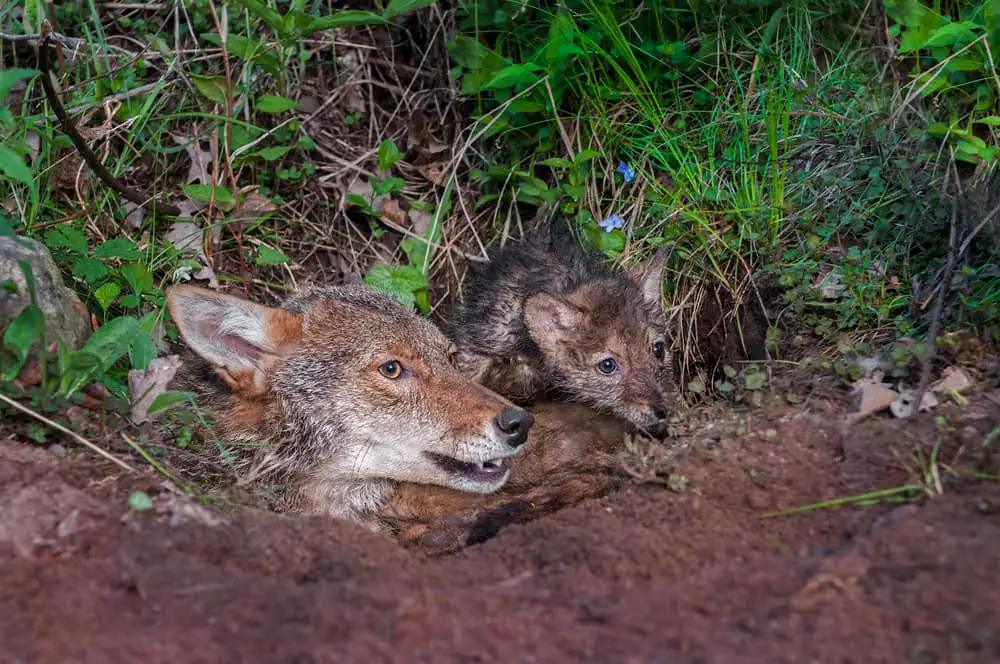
[231, 333]
[549, 320]
[649, 277]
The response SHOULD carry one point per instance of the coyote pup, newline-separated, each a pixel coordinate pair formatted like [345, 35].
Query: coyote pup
[544, 316]
[351, 393]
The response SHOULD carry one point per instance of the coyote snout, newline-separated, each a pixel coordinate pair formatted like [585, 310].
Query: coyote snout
[352, 392]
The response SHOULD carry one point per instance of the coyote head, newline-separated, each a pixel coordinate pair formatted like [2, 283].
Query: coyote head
[347, 385]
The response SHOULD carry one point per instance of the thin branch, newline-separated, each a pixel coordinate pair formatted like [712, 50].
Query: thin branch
[931, 344]
[81, 145]
[70, 42]
[72, 434]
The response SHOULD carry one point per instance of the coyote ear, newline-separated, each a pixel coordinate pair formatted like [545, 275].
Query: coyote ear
[549, 319]
[649, 277]
[231, 333]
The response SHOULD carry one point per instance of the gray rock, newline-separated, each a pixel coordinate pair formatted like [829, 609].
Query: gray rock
[66, 318]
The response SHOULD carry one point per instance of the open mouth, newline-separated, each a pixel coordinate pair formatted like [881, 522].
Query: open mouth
[491, 471]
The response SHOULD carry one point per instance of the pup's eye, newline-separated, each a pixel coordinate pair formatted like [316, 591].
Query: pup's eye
[607, 366]
[658, 350]
[391, 369]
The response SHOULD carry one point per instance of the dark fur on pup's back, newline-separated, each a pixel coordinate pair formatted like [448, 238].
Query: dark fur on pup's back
[544, 316]
[349, 393]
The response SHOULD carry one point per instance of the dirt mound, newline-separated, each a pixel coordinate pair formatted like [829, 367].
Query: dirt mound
[644, 575]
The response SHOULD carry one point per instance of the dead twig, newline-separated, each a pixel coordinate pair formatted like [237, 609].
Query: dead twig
[69, 42]
[81, 145]
[931, 344]
[72, 434]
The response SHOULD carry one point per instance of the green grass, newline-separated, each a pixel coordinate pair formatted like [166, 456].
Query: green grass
[772, 143]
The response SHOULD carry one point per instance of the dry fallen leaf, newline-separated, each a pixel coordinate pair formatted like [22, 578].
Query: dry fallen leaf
[186, 236]
[145, 386]
[952, 378]
[134, 214]
[201, 160]
[393, 212]
[874, 396]
[420, 221]
[433, 173]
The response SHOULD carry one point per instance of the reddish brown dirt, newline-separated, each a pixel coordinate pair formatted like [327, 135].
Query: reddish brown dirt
[646, 575]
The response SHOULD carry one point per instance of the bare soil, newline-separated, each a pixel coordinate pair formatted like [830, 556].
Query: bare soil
[645, 575]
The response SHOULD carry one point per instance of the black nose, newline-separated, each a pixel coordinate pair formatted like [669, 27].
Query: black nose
[512, 424]
[659, 412]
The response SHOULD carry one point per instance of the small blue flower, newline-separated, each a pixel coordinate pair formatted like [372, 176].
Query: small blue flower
[626, 171]
[611, 223]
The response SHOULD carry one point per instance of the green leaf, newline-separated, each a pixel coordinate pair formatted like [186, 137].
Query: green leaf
[8, 77]
[992, 120]
[203, 193]
[17, 340]
[345, 19]
[270, 16]
[106, 294]
[556, 162]
[417, 250]
[169, 400]
[140, 501]
[112, 340]
[270, 256]
[118, 248]
[138, 277]
[274, 104]
[513, 75]
[400, 7]
[89, 269]
[67, 237]
[951, 34]
[141, 351]
[388, 154]
[401, 282]
[213, 87]
[272, 153]
[12, 165]
[754, 381]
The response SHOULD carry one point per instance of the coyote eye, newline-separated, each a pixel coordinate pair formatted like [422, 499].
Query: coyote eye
[607, 366]
[658, 350]
[391, 369]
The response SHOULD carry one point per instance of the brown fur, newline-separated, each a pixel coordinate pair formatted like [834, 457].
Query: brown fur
[543, 315]
[570, 456]
[305, 380]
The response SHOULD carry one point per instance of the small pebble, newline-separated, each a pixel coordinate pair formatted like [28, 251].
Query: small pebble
[57, 450]
[759, 500]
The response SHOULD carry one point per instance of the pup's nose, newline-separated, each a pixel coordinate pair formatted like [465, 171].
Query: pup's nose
[659, 412]
[512, 424]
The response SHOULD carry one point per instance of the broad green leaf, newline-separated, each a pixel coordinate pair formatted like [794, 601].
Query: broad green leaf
[106, 294]
[141, 351]
[513, 75]
[213, 87]
[169, 400]
[112, 340]
[950, 34]
[272, 153]
[400, 282]
[66, 237]
[8, 77]
[17, 340]
[89, 269]
[399, 7]
[274, 104]
[388, 154]
[270, 16]
[12, 165]
[140, 501]
[556, 162]
[204, 192]
[345, 19]
[270, 256]
[138, 277]
[754, 381]
[118, 248]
